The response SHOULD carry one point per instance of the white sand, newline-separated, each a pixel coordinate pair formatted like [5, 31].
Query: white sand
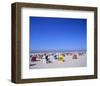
[81, 61]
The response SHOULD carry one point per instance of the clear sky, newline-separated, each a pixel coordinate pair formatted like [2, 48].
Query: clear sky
[48, 33]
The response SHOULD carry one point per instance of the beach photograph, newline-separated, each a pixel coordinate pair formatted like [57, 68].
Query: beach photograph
[57, 42]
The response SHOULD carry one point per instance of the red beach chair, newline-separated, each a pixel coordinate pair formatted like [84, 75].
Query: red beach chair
[33, 58]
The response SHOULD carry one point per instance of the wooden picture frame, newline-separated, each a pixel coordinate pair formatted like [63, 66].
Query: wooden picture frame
[17, 46]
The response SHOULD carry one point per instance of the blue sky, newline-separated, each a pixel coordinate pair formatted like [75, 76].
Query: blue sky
[48, 33]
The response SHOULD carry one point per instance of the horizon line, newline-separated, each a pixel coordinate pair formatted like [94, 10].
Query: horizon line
[57, 50]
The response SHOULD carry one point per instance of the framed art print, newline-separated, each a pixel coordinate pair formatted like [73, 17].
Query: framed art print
[53, 42]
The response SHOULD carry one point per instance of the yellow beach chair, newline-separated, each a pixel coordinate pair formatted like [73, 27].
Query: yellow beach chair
[60, 58]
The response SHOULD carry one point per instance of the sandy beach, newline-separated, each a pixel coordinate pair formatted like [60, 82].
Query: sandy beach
[69, 61]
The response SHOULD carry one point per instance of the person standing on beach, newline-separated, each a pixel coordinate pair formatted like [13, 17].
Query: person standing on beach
[47, 59]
